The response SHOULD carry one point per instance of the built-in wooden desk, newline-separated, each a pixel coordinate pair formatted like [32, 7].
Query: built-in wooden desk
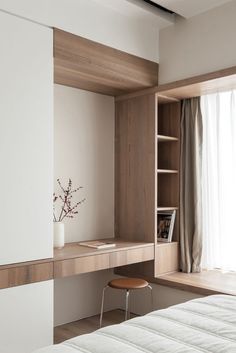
[74, 259]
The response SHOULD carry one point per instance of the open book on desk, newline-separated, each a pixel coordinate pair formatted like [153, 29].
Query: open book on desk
[97, 244]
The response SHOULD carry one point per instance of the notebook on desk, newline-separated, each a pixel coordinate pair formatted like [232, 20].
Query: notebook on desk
[96, 244]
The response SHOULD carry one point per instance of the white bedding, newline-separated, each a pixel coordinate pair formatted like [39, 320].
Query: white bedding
[201, 325]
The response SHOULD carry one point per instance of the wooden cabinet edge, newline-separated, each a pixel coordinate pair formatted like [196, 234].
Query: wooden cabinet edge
[25, 274]
[166, 258]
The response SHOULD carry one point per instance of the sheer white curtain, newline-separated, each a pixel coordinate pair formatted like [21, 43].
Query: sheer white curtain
[219, 180]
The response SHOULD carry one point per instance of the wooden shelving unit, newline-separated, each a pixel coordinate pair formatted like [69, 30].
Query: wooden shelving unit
[168, 136]
[147, 174]
[168, 154]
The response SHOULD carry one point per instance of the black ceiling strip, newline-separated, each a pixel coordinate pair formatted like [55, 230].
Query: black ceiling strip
[159, 6]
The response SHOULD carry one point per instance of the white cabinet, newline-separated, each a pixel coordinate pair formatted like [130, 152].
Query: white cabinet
[26, 140]
[26, 317]
[26, 178]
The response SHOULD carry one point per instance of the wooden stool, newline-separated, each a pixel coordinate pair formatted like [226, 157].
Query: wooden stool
[126, 284]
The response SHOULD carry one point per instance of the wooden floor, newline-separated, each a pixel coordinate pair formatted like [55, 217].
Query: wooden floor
[205, 283]
[90, 324]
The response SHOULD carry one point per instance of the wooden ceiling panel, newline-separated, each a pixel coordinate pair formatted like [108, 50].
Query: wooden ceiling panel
[81, 63]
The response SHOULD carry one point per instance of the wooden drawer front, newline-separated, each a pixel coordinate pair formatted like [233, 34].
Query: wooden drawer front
[98, 262]
[132, 256]
[17, 276]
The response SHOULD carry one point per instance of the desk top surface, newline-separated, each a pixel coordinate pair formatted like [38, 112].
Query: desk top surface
[74, 250]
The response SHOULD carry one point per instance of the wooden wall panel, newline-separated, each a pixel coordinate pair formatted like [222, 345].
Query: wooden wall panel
[82, 63]
[135, 168]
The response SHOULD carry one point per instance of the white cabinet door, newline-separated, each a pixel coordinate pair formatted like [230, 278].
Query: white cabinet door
[26, 317]
[26, 140]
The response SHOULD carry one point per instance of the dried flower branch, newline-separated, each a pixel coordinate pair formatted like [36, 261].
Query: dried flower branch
[67, 209]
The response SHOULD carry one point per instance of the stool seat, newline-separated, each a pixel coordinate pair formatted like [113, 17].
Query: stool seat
[128, 283]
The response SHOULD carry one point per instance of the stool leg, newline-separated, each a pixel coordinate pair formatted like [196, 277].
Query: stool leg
[126, 304]
[129, 305]
[102, 305]
[151, 292]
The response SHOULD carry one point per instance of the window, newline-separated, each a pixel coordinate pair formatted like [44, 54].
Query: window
[219, 180]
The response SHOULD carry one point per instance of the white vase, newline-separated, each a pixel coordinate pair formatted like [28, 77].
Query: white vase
[59, 235]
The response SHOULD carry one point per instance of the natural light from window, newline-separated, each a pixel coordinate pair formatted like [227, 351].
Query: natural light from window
[219, 180]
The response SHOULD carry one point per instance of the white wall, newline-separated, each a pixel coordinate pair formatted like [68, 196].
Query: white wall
[92, 20]
[79, 297]
[84, 152]
[202, 44]
[26, 314]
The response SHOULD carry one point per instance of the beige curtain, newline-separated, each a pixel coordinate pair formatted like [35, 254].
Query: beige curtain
[190, 186]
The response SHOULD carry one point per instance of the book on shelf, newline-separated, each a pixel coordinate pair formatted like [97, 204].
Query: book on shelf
[97, 244]
[165, 222]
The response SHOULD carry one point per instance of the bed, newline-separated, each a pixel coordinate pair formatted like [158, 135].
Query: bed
[201, 325]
